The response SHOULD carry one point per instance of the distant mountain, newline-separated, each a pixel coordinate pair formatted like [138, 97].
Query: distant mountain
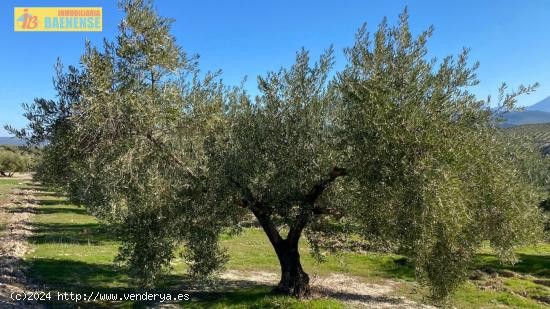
[525, 117]
[536, 113]
[543, 106]
[6, 140]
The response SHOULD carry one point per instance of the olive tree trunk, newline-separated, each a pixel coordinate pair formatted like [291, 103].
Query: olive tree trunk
[294, 280]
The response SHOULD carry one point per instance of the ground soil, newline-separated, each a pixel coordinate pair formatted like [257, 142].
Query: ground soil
[16, 214]
[351, 290]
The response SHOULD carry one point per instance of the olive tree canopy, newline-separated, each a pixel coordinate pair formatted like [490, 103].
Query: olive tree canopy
[394, 150]
[12, 162]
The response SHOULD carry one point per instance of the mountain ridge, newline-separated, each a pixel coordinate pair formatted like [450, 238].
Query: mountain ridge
[543, 106]
[8, 140]
[533, 114]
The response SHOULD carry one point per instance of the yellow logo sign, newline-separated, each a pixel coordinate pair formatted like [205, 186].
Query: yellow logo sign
[58, 19]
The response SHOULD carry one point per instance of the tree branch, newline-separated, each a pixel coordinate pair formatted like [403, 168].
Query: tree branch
[311, 197]
[308, 203]
[259, 211]
[267, 224]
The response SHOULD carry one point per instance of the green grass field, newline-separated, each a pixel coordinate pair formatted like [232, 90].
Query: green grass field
[73, 252]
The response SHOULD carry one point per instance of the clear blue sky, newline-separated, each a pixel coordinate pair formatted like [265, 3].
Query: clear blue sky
[511, 39]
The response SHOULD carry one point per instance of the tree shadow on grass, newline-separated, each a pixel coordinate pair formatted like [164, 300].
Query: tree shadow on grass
[59, 210]
[75, 275]
[399, 268]
[243, 298]
[48, 202]
[79, 277]
[251, 294]
[528, 264]
[22, 208]
[61, 233]
[40, 191]
[61, 276]
[33, 186]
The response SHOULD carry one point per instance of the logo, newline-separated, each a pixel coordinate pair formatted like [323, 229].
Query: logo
[27, 21]
[58, 19]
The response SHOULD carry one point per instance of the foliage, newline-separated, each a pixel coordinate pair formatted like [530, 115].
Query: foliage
[539, 135]
[395, 151]
[434, 175]
[11, 162]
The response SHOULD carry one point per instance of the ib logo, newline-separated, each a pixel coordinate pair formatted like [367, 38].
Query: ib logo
[27, 21]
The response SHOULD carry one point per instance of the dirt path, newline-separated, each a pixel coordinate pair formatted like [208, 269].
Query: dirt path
[13, 246]
[348, 289]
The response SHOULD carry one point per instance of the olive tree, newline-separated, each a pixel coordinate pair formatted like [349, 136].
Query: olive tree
[394, 150]
[12, 162]
[435, 175]
[9, 163]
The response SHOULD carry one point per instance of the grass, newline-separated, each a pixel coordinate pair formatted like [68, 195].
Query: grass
[251, 250]
[534, 261]
[10, 181]
[261, 298]
[73, 252]
[7, 185]
[525, 284]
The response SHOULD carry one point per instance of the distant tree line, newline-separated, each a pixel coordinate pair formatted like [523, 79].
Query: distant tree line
[538, 135]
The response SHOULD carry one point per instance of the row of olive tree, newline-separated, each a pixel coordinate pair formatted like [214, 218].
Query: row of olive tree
[394, 149]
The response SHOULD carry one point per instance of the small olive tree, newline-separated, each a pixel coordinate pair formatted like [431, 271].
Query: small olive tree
[12, 162]
[394, 151]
